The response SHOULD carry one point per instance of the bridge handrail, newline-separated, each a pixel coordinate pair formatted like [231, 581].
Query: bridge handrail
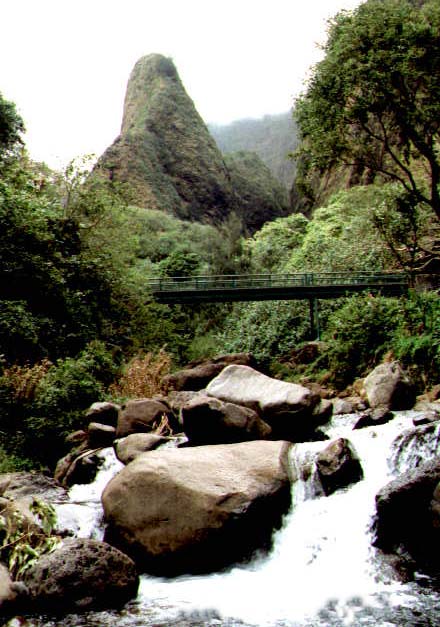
[243, 281]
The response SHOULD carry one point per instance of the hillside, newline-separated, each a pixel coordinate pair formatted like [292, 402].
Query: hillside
[272, 138]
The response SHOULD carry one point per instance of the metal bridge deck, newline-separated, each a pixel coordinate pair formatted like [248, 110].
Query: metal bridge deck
[252, 287]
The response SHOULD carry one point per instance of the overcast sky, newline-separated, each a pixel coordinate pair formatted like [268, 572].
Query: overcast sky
[65, 63]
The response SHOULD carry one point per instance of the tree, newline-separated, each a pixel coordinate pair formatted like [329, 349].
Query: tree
[373, 102]
[11, 126]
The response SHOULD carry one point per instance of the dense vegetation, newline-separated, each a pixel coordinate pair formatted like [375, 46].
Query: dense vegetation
[75, 312]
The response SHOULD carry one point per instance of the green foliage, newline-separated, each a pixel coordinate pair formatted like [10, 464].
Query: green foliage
[11, 127]
[374, 100]
[14, 463]
[23, 542]
[342, 236]
[270, 248]
[260, 197]
[42, 404]
[179, 264]
[19, 330]
[160, 235]
[267, 329]
[416, 342]
[406, 227]
[365, 329]
[359, 334]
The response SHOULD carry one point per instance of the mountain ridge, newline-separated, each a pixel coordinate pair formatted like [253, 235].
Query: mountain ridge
[169, 160]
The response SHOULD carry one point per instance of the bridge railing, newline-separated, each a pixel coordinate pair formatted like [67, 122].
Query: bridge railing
[257, 281]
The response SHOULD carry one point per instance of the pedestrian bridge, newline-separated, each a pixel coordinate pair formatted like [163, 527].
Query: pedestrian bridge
[298, 286]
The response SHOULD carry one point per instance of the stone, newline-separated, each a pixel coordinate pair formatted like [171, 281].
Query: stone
[145, 415]
[373, 418]
[77, 437]
[208, 420]
[100, 435]
[133, 445]
[81, 574]
[338, 466]
[389, 386]
[16, 485]
[10, 592]
[104, 412]
[347, 405]
[291, 410]
[426, 417]
[406, 516]
[199, 509]
[197, 375]
[79, 466]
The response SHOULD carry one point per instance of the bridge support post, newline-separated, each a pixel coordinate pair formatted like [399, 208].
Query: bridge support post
[315, 331]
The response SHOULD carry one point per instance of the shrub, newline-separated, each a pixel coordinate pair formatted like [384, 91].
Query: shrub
[267, 329]
[142, 376]
[359, 334]
[41, 404]
[21, 543]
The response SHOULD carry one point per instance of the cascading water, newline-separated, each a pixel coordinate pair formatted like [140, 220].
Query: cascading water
[322, 571]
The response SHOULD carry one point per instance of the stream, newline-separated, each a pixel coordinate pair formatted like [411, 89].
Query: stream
[322, 571]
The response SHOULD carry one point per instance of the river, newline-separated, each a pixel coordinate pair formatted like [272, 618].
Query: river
[323, 570]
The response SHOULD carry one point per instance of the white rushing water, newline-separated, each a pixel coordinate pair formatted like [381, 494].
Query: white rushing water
[83, 514]
[322, 554]
[322, 570]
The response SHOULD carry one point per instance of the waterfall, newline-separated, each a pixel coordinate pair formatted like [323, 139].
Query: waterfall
[322, 571]
[82, 515]
[322, 556]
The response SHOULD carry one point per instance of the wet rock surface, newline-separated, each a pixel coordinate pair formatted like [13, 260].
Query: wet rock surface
[78, 575]
[198, 509]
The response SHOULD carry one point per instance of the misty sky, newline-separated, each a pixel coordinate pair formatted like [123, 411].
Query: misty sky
[65, 63]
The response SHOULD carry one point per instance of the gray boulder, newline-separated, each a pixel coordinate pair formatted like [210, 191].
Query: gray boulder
[197, 375]
[389, 386]
[338, 466]
[105, 413]
[291, 410]
[406, 516]
[348, 405]
[81, 574]
[374, 417]
[208, 420]
[145, 415]
[127, 449]
[199, 509]
[12, 593]
[79, 466]
[17, 485]
[100, 435]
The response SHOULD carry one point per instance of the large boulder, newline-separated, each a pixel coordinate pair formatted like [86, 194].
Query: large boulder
[195, 510]
[389, 386]
[338, 466]
[406, 520]
[208, 420]
[145, 415]
[197, 375]
[81, 574]
[291, 410]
